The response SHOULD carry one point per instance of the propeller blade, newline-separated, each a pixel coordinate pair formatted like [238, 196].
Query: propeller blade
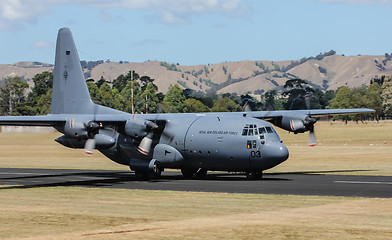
[307, 101]
[89, 147]
[145, 144]
[312, 138]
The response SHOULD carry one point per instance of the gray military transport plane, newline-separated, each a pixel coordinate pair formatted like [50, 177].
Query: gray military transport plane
[149, 143]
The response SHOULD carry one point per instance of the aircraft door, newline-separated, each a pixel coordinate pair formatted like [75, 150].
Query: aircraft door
[253, 144]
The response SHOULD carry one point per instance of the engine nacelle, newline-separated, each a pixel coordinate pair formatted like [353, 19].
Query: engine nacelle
[293, 125]
[136, 127]
[297, 124]
[102, 141]
[75, 128]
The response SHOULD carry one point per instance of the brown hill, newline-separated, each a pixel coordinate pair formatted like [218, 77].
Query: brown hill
[326, 72]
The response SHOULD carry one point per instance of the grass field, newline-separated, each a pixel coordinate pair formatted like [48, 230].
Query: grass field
[92, 213]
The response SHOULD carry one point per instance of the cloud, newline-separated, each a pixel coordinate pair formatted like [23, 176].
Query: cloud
[14, 12]
[360, 2]
[20, 12]
[40, 45]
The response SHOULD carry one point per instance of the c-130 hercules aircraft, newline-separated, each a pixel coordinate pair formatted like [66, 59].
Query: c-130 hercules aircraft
[149, 143]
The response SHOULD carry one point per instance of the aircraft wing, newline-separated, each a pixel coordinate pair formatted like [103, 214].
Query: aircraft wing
[55, 119]
[269, 115]
[46, 120]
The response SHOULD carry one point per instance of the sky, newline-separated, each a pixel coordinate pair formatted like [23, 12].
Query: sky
[192, 32]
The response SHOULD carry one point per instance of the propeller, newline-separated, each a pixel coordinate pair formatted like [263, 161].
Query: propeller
[246, 107]
[145, 144]
[312, 137]
[309, 122]
[92, 129]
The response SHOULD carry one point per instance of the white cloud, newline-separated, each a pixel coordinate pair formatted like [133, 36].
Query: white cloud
[41, 44]
[16, 12]
[13, 12]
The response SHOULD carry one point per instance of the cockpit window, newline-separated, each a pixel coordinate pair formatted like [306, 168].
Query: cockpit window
[269, 129]
[245, 132]
[262, 130]
[250, 130]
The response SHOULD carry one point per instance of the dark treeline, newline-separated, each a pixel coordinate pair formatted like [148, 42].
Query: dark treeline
[297, 94]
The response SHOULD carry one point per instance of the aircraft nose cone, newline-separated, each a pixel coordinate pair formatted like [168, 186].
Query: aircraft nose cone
[276, 152]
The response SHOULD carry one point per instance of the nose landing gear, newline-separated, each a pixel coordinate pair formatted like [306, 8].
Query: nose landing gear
[254, 175]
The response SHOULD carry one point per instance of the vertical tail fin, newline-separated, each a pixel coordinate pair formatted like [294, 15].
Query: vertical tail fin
[70, 93]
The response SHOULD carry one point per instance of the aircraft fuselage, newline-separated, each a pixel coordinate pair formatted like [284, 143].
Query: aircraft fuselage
[208, 142]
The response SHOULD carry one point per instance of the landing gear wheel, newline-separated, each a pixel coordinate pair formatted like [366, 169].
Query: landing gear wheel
[156, 174]
[251, 175]
[259, 174]
[187, 173]
[201, 173]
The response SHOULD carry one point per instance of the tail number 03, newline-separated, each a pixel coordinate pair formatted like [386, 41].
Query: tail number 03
[255, 154]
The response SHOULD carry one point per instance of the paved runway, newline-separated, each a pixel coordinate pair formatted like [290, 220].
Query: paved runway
[282, 183]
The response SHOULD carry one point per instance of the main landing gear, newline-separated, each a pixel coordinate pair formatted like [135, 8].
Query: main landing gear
[156, 174]
[254, 175]
[188, 173]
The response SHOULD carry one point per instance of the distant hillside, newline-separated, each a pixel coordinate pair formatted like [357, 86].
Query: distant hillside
[326, 71]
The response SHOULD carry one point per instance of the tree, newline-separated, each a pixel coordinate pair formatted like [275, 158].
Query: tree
[45, 102]
[269, 100]
[296, 90]
[100, 82]
[121, 81]
[94, 92]
[226, 105]
[145, 80]
[387, 96]
[373, 98]
[12, 96]
[127, 98]
[174, 100]
[109, 97]
[343, 99]
[248, 103]
[43, 83]
[193, 105]
[327, 97]
[150, 93]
